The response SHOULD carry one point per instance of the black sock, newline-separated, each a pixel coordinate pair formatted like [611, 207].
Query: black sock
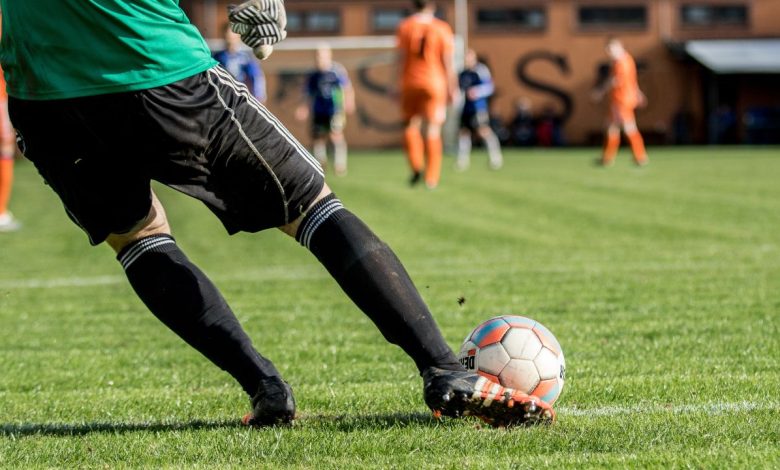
[182, 297]
[374, 278]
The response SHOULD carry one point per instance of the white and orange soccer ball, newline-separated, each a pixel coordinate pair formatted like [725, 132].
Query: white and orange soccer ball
[519, 353]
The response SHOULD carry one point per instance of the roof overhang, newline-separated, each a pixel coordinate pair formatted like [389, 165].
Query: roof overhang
[737, 56]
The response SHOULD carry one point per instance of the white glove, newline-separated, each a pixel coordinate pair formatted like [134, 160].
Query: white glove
[260, 23]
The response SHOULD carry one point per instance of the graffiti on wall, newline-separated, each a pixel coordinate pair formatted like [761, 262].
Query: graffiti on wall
[370, 80]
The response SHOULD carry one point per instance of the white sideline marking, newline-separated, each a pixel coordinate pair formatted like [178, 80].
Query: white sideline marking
[61, 282]
[76, 281]
[706, 408]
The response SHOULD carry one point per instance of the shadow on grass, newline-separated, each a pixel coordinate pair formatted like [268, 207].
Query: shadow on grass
[361, 422]
[341, 423]
[63, 429]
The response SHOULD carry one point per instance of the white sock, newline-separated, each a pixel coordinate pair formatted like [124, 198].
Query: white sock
[320, 152]
[464, 151]
[340, 157]
[494, 151]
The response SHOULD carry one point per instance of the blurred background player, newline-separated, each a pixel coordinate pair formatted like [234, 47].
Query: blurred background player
[476, 84]
[624, 97]
[330, 96]
[242, 64]
[428, 83]
[7, 150]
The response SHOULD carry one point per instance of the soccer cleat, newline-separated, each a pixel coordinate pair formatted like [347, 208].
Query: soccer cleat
[8, 223]
[464, 393]
[273, 404]
[415, 178]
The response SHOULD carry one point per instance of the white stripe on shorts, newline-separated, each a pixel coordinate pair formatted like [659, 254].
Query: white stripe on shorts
[241, 90]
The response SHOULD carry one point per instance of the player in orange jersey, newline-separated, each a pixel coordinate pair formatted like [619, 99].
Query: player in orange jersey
[624, 97]
[7, 150]
[428, 83]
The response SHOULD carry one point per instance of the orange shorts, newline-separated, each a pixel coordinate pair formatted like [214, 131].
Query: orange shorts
[428, 103]
[621, 114]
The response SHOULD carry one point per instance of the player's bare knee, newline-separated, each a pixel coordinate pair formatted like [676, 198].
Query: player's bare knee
[155, 223]
[292, 228]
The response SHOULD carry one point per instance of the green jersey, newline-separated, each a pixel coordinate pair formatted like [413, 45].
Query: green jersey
[55, 49]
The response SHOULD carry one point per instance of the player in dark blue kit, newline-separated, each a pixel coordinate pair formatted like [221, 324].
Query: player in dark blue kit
[242, 64]
[330, 97]
[477, 85]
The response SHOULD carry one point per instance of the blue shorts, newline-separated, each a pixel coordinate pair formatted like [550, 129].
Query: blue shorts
[324, 124]
[474, 119]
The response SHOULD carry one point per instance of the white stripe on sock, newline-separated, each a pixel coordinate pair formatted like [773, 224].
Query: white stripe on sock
[144, 246]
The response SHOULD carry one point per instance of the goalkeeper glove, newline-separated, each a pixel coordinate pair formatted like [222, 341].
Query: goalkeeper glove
[260, 23]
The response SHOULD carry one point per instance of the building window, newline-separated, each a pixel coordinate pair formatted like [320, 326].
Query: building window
[384, 20]
[714, 15]
[511, 18]
[313, 21]
[629, 17]
[387, 19]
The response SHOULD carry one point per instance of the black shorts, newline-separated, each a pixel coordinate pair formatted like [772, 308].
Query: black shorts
[473, 120]
[323, 124]
[206, 136]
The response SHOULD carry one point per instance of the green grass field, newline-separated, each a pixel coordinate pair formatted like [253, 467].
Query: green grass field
[662, 284]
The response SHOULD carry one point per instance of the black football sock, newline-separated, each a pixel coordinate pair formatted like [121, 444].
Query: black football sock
[182, 297]
[373, 277]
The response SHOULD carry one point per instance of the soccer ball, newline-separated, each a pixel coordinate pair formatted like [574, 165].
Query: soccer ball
[516, 352]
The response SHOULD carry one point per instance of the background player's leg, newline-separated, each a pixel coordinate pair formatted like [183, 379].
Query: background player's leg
[184, 299]
[636, 141]
[373, 277]
[611, 144]
[339, 153]
[433, 153]
[7, 223]
[415, 147]
[612, 136]
[464, 149]
[320, 151]
[493, 146]
[7, 149]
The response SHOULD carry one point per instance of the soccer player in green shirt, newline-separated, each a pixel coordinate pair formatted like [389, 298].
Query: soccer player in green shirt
[86, 78]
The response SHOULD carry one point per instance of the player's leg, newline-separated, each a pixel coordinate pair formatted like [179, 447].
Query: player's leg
[465, 135]
[634, 137]
[104, 185]
[7, 149]
[495, 157]
[181, 296]
[612, 137]
[373, 277]
[414, 144]
[463, 160]
[320, 127]
[435, 110]
[339, 145]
